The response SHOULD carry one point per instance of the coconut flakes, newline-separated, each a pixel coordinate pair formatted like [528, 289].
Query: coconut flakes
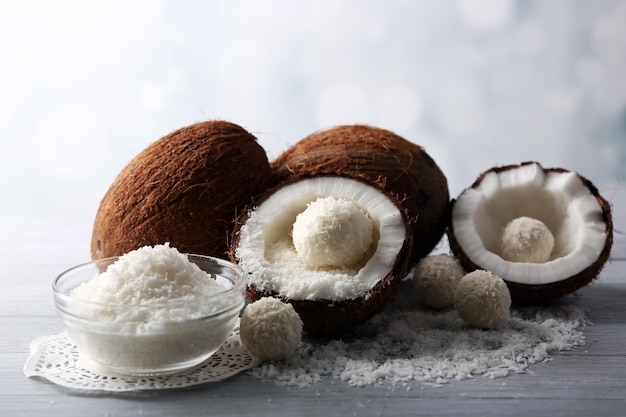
[405, 344]
[151, 276]
[267, 254]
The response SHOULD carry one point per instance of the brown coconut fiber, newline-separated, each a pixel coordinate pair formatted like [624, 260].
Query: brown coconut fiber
[186, 188]
[400, 167]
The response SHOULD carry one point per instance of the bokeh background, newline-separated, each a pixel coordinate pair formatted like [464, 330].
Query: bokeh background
[86, 85]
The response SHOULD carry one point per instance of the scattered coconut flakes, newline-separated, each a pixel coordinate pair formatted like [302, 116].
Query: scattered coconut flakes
[405, 344]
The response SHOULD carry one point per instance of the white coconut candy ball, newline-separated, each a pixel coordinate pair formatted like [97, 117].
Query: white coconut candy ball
[482, 299]
[332, 232]
[435, 279]
[270, 329]
[525, 239]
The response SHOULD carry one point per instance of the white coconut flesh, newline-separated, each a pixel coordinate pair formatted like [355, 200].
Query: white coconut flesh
[558, 199]
[328, 219]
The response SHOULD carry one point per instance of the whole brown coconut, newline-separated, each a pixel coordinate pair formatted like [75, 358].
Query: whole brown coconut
[569, 205]
[186, 188]
[399, 166]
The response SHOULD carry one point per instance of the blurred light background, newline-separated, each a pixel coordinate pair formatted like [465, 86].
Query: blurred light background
[86, 85]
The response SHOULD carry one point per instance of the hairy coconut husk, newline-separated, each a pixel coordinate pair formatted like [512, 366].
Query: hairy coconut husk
[332, 318]
[527, 293]
[186, 188]
[399, 167]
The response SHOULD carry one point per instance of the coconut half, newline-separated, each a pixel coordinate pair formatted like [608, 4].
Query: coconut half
[329, 298]
[566, 202]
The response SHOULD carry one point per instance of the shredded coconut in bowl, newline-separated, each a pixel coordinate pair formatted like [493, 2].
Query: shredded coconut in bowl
[160, 280]
[152, 311]
[407, 344]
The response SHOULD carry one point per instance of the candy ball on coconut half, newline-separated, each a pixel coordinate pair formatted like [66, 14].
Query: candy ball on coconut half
[335, 237]
[545, 232]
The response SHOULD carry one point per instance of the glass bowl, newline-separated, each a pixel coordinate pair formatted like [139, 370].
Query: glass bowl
[151, 339]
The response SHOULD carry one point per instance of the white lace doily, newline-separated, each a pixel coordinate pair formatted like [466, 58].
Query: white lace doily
[56, 358]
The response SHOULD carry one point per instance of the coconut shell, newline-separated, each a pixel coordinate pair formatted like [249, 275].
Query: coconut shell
[527, 293]
[400, 167]
[332, 318]
[186, 188]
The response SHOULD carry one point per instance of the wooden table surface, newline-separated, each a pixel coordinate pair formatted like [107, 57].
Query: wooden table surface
[589, 380]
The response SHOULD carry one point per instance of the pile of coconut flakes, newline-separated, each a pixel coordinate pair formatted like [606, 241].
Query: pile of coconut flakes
[407, 343]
